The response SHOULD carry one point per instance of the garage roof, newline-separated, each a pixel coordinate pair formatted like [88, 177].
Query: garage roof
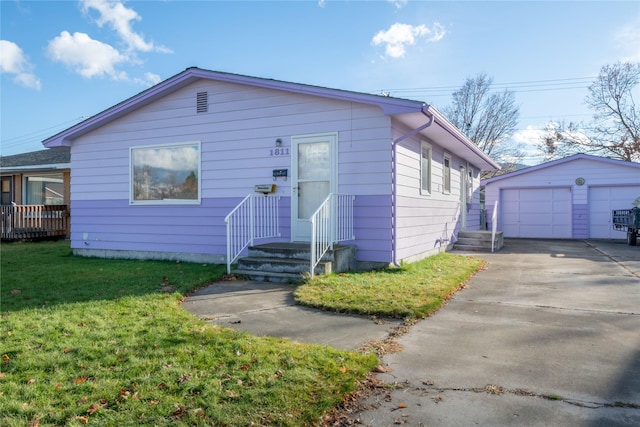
[559, 162]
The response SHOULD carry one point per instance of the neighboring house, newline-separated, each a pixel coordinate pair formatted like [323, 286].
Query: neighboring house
[35, 192]
[570, 198]
[155, 175]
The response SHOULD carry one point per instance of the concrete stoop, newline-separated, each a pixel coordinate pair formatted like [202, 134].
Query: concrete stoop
[478, 241]
[290, 262]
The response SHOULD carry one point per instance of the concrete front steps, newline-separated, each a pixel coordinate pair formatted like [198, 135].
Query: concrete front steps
[290, 262]
[478, 241]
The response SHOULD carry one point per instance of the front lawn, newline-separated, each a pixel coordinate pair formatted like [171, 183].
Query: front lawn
[94, 341]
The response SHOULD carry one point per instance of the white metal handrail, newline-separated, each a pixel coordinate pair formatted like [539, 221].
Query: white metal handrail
[494, 225]
[255, 217]
[332, 222]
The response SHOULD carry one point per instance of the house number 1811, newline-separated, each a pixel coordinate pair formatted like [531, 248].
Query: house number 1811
[279, 152]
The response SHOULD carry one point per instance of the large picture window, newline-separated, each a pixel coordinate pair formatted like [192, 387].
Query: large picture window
[166, 174]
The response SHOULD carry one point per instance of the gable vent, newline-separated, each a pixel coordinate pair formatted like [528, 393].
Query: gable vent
[202, 102]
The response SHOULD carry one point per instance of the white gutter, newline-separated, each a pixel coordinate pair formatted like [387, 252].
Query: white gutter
[394, 184]
[55, 166]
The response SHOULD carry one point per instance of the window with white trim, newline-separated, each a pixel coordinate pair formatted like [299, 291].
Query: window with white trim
[446, 173]
[46, 189]
[425, 168]
[165, 174]
[470, 184]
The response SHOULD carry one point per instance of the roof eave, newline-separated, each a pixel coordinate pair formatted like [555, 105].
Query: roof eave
[31, 168]
[488, 162]
[559, 162]
[388, 105]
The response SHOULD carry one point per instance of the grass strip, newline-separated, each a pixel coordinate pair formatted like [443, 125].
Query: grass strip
[410, 291]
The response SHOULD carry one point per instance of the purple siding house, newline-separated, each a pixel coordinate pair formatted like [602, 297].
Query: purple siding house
[569, 198]
[155, 175]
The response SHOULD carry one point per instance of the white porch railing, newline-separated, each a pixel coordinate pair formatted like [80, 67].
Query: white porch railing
[256, 217]
[494, 225]
[332, 222]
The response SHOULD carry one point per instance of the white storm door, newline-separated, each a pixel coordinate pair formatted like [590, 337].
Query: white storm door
[313, 177]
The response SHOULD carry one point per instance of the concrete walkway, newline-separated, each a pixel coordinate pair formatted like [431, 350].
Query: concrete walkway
[547, 335]
[268, 309]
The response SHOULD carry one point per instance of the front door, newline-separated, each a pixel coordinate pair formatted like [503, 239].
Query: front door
[313, 178]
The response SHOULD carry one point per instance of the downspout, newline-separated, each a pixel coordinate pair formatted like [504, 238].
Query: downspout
[394, 184]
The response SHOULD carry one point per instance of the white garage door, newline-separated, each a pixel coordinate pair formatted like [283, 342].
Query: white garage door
[536, 212]
[602, 200]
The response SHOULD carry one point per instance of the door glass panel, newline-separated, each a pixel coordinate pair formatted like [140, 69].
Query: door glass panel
[311, 194]
[314, 161]
[314, 173]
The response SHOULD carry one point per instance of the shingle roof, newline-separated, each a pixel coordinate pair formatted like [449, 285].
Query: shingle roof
[36, 158]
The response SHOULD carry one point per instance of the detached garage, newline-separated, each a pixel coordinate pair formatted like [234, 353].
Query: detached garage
[570, 198]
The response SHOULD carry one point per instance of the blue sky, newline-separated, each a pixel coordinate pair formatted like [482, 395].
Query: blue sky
[66, 60]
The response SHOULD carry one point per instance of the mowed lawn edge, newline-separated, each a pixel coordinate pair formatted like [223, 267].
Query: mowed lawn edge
[106, 342]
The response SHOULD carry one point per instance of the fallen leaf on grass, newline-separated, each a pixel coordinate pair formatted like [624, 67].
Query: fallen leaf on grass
[34, 423]
[16, 291]
[93, 408]
[82, 420]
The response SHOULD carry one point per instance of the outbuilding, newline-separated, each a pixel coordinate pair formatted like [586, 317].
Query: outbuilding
[569, 198]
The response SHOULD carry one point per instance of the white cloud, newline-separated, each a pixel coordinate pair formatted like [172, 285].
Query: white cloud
[627, 40]
[399, 4]
[88, 57]
[93, 58]
[149, 79]
[399, 36]
[120, 19]
[13, 61]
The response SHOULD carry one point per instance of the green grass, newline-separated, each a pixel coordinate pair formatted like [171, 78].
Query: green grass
[411, 291]
[105, 342]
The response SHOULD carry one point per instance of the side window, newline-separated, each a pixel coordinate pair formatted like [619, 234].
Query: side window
[44, 189]
[446, 173]
[165, 174]
[470, 185]
[7, 190]
[425, 168]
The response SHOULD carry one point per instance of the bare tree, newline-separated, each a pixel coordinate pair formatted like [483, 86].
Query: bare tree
[488, 119]
[615, 129]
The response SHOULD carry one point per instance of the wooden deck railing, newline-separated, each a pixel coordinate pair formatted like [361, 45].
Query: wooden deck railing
[33, 221]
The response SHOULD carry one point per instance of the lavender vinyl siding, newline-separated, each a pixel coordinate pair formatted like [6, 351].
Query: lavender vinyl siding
[426, 223]
[237, 138]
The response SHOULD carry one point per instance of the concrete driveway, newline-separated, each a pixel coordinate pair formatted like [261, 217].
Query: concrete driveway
[547, 335]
